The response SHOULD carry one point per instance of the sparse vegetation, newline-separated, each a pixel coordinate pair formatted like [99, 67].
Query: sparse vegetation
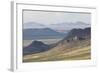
[80, 50]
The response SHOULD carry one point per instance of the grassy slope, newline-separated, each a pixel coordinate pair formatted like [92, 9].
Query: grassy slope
[76, 50]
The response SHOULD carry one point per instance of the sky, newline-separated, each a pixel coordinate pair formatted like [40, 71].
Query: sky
[50, 18]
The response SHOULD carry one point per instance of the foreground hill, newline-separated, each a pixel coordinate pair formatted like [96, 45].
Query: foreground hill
[67, 51]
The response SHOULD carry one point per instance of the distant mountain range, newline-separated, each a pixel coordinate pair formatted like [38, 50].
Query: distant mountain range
[69, 25]
[65, 26]
[34, 30]
[38, 46]
[33, 25]
[43, 33]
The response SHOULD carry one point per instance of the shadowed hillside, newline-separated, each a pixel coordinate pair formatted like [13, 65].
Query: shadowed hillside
[35, 47]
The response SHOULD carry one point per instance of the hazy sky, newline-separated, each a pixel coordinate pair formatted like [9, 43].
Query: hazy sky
[44, 17]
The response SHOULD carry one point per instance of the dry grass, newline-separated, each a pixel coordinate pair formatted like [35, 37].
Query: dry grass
[77, 50]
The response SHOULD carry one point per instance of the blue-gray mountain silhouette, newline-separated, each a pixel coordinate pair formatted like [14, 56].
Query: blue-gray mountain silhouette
[43, 33]
[35, 47]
